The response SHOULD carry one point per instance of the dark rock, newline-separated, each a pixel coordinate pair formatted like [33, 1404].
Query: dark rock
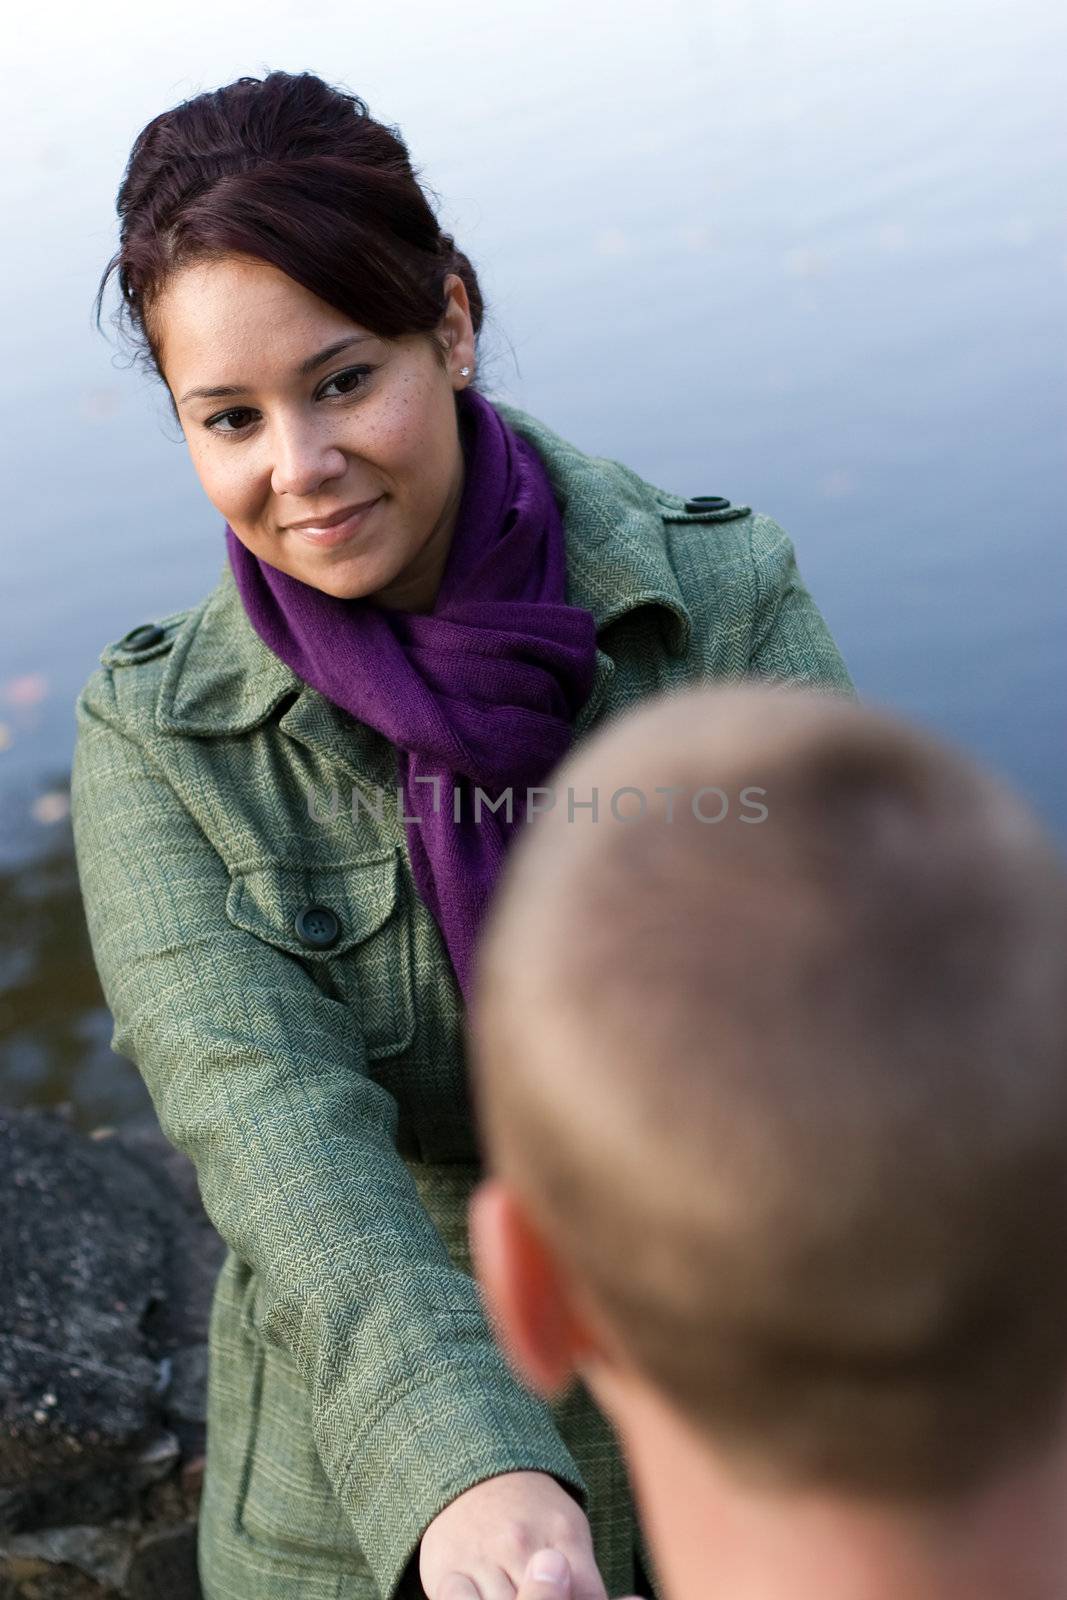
[177, 1325]
[165, 1564]
[44, 1501]
[82, 1257]
[193, 1483]
[186, 1396]
[165, 1501]
[25, 1579]
[109, 1266]
[181, 1318]
[103, 1554]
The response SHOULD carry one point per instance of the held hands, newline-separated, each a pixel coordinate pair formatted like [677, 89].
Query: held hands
[548, 1577]
[480, 1546]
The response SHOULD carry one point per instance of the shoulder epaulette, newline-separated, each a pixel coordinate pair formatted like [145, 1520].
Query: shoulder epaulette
[702, 508]
[148, 639]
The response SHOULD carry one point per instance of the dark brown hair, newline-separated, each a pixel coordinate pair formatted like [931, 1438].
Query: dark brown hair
[790, 1100]
[297, 173]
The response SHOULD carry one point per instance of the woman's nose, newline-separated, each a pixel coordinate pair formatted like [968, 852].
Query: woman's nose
[303, 460]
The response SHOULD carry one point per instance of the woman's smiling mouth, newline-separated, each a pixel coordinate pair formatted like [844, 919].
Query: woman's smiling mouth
[330, 533]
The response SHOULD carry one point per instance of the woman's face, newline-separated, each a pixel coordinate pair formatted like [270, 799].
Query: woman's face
[373, 421]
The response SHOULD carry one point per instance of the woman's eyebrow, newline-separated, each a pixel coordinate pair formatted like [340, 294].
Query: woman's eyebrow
[302, 370]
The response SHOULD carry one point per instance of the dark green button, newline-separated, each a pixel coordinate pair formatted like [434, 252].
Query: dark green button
[706, 502]
[317, 926]
[140, 638]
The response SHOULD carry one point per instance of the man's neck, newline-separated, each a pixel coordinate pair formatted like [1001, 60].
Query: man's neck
[711, 1535]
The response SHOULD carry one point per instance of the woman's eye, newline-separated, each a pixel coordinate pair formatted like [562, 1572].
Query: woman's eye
[353, 379]
[360, 373]
[213, 422]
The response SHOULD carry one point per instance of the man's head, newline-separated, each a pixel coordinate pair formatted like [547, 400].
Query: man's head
[776, 1104]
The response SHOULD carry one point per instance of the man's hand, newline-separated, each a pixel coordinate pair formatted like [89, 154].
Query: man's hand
[548, 1577]
[480, 1545]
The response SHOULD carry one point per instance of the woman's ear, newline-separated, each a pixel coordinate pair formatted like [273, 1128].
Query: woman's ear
[524, 1291]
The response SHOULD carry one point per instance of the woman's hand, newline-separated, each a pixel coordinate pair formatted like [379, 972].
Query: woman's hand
[480, 1545]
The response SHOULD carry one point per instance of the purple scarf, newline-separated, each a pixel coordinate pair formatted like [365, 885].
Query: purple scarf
[481, 692]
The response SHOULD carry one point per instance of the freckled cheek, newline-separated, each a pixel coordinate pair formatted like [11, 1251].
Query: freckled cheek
[391, 440]
[405, 434]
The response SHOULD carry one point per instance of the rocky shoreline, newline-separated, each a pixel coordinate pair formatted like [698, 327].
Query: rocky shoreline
[107, 1266]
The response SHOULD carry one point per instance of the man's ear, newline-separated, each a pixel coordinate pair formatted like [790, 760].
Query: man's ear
[524, 1291]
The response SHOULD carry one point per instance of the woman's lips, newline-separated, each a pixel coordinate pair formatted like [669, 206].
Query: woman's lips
[340, 531]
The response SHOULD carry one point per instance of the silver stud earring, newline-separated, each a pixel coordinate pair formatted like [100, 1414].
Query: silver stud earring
[464, 372]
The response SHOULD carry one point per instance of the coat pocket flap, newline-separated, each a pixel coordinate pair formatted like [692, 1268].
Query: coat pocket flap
[276, 900]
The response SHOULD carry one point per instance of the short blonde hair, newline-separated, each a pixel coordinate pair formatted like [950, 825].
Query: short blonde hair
[790, 1099]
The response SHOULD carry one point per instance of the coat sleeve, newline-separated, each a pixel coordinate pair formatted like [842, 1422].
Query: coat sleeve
[261, 1079]
[790, 640]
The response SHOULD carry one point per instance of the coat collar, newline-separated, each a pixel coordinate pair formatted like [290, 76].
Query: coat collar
[220, 677]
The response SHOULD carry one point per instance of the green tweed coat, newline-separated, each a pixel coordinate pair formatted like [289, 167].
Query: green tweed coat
[355, 1388]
